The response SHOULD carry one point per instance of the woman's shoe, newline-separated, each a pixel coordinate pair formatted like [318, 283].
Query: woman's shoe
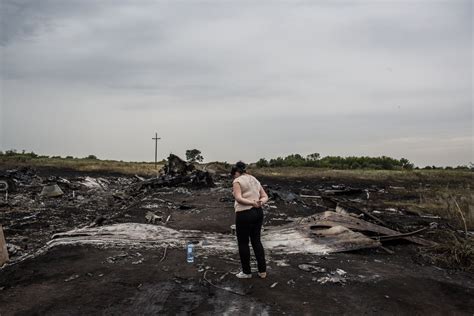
[262, 275]
[242, 275]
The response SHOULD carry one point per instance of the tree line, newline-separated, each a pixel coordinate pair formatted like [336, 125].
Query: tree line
[352, 162]
[294, 160]
[24, 155]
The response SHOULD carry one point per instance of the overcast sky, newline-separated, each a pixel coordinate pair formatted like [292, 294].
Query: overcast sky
[238, 79]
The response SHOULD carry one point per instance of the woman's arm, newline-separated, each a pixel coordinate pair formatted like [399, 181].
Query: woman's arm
[263, 196]
[237, 192]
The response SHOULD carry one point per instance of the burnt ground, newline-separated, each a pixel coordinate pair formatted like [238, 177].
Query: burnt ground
[81, 280]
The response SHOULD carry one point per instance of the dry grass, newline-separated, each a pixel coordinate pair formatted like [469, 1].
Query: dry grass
[91, 165]
[455, 204]
[379, 175]
[452, 251]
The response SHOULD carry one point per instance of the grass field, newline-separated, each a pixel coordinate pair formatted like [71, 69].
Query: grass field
[362, 174]
[148, 168]
[85, 165]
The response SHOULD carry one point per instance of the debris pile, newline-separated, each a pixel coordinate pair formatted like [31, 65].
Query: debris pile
[320, 234]
[91, 206]
[177, 172]
[33, 207]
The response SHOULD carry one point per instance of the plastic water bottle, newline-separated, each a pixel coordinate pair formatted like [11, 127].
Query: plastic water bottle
[190, 254]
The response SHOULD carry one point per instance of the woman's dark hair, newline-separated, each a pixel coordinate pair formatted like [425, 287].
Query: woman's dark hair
[239, 167]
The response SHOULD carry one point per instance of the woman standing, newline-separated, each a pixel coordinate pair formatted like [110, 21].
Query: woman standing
[249, 198]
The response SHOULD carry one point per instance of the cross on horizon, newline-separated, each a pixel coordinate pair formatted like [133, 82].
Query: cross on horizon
[156, 138]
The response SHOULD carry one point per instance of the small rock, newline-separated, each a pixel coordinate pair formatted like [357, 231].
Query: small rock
[310, 267]
[51, 191]
[72, 277]
[341, 272]
[305, 267]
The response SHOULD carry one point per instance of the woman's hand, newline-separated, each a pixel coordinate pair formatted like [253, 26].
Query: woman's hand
[257, 204]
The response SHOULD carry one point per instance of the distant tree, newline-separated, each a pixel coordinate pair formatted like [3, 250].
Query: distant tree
[406, 164]
[91, 157]
[313, 157]
[193, 155]
[295, 160]
[11, 152]
[278, 162]
[356, 165]
[262, 163]
[69, 157]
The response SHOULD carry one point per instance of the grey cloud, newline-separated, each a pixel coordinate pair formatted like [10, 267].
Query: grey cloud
[25, 19]
[417, 25]
[331, 76]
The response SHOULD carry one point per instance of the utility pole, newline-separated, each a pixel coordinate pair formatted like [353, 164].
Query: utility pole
[156, 138]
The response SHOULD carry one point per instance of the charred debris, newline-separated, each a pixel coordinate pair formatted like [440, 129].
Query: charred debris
[36, 211]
